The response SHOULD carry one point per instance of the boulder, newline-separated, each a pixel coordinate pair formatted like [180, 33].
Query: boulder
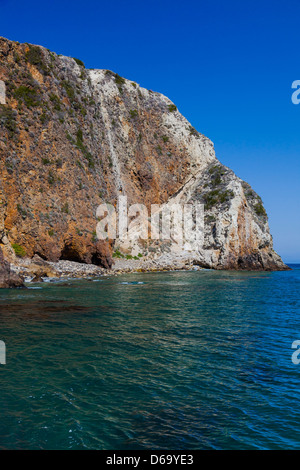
[7, 277]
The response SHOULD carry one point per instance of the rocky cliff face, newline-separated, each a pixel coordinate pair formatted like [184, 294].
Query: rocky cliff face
[7, 277]
[72, 138]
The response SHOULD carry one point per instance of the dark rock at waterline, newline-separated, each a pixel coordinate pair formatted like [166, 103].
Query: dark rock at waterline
[7, 277]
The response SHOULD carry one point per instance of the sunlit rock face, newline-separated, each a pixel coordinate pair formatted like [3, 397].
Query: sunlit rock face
[72, 138]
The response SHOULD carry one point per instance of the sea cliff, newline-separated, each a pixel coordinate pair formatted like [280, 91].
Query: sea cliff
[72, 138]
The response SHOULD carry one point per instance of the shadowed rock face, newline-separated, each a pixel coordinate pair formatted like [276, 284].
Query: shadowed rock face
[7, 277]
[72, 138]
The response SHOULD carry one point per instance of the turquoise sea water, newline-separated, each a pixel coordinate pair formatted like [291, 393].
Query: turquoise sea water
[179, 360]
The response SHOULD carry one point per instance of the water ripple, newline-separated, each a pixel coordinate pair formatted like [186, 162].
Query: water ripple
[185, 360]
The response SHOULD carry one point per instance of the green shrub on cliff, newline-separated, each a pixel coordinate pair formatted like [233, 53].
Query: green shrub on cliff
[69, 90]
[254, 200]
[110, 164]
[120, 81]
[55, 101]
[118, 254]
[172, 108]
[259, 209]
[133, 113]
[216, 172]
[216, 169]
[193, 131]
[19, 250]
[216, 196]
[27, 95]
[80, 145]
[51, 177]
[79, 62]
[65, 208]
[79, 136]
[7, 119]
[43, 117]
[90, 159]
[159, 150]
[35, 56]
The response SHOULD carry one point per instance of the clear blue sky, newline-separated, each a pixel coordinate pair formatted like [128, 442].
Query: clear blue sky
[228, 65]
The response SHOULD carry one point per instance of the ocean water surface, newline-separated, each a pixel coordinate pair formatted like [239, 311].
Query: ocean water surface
[178, 360]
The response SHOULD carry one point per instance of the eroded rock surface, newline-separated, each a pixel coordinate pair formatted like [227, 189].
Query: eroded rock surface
[7, 277]
[72, 138]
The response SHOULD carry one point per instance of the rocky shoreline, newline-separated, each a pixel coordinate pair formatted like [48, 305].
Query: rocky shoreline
[27, 270]
[38, 270]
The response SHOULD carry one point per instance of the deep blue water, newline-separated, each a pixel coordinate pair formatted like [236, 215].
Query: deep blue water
[179, 360]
